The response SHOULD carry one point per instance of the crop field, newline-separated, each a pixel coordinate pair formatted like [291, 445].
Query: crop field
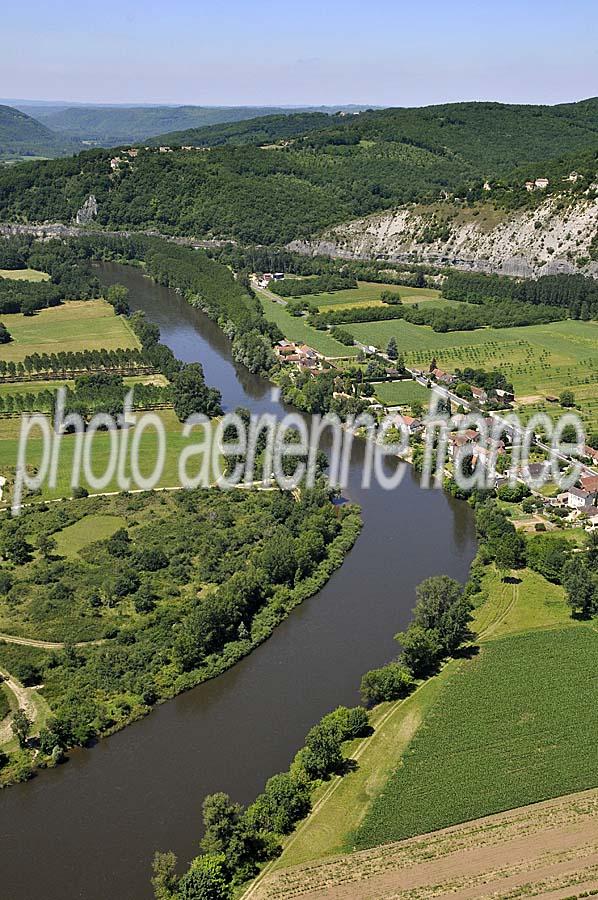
[9, 443]
[367, 293]
[401, 393]
[24, 275]
[295, 328]
[538, 359]
[513, 726]
[76, 325]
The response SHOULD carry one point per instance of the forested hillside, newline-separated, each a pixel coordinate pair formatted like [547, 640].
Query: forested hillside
[358, 165]
[257, 130]
[21, 135]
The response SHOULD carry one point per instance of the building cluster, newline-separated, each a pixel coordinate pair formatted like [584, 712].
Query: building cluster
[540, 184]
[264, 280]
[305, 358]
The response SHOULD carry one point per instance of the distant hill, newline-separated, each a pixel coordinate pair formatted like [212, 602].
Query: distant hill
[22, 136]
[326, 171]
[110, 126]
[260, 130]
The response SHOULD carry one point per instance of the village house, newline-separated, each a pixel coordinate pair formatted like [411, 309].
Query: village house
[479, 394]
[589, 483]
[413, 426]
[506, 396]
[541, 183]
[443, 377]
[459, 439]
[590, 453]
[577, 499]
[529, 185]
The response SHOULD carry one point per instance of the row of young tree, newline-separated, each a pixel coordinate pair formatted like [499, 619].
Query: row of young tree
[101, 392]
[498, 314]
[577, 294]
[65, 363]
[298, 287]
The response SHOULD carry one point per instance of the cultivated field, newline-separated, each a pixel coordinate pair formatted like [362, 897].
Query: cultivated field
[76, 325]
[513, 726]
[540, 360]
[295, 328]
[508, 727]
[548, 849]
[367, 293]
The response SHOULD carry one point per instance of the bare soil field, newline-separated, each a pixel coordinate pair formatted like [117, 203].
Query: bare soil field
[546, 850]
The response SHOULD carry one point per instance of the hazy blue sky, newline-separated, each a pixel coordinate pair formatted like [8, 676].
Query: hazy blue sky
[386, 52]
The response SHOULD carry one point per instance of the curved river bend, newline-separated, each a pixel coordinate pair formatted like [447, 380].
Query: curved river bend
[88, 829]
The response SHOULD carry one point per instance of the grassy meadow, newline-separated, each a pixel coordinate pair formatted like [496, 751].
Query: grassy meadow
[100, 455]
[295, 328]
[24, 275]
[367, 293]
[401, 393]
[76, 325]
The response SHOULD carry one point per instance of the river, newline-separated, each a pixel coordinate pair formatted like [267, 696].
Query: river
[88, 829]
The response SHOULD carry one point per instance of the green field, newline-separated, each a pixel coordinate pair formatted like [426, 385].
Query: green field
[538, 359]
[367, 293]
[76, 325]
[36, 387]
[401, 393]
[513, 726]
[9, 442]
[24, 275]
[87, 530]
[501, 700]
[295, 328]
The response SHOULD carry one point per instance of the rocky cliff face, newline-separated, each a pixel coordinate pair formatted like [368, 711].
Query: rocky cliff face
[554, 237]
[88, 211]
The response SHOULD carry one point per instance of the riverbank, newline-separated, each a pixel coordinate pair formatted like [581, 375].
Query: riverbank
[153, 775]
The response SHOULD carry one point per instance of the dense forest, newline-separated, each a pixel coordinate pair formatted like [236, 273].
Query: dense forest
[576, 294]
[358, 165]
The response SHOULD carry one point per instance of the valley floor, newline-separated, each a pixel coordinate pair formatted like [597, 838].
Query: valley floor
[546, 850]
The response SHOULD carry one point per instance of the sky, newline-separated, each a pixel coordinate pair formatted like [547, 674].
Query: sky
[379, 52]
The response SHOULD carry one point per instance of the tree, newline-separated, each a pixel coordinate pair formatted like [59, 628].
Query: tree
[388, 683]
[164, 877]
[190, 394]
[284, 801]
[391, 350]
[508, 552]
[21, 726]
[206, 879]
[422, 650]
[442, 607]
[567, 398]
[118, 296]
[581, 588]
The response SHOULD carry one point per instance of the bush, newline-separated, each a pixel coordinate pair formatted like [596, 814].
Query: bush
[391, 682]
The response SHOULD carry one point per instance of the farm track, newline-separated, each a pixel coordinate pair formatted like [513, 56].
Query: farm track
[45, 645]
[547, 849]
[23, 697]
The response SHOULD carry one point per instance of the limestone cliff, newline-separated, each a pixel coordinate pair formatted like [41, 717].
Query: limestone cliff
[554, 237]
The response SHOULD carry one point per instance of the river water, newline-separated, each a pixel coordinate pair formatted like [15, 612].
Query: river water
[88, 829]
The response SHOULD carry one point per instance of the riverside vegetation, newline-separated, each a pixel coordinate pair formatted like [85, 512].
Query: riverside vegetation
[239, 841]
[146, 596]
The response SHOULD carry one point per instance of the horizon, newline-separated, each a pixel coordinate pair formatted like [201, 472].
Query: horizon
[148, 104]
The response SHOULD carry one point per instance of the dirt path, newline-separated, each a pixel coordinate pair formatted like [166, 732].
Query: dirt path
[45, 645]
[23, 698]
[545, 850]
